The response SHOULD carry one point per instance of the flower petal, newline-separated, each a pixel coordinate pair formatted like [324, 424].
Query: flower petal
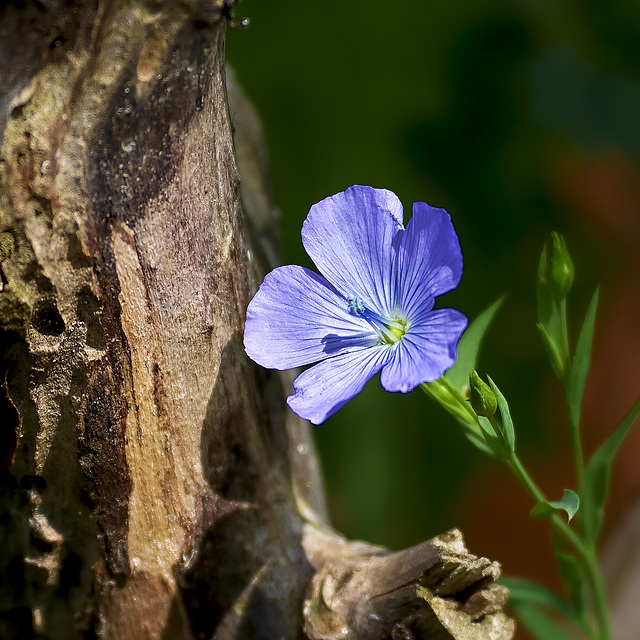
[297, 317]
[350, 237]
[426, 351]
[429, 259]
[323, 389]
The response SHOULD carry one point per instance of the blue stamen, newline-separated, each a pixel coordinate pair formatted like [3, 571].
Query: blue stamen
[356, 306]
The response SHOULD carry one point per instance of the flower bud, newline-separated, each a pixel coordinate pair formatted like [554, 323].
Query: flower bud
[559, 267]
[483, 400]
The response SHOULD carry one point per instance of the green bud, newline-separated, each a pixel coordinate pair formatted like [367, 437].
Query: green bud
[483, 399]
[559, 268]
[439, 392]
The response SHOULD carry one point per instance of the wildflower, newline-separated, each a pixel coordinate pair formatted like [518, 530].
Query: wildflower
[373, 309]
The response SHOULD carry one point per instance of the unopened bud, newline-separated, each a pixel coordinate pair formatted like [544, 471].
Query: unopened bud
[559, 267]
[483, 400]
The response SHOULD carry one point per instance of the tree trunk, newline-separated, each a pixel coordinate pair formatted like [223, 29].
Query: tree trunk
[153, 484]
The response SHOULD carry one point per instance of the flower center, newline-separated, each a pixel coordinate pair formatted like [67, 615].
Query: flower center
[395, 330]
[389, 330]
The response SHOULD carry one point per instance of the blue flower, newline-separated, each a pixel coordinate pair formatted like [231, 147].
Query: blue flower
[373, 309]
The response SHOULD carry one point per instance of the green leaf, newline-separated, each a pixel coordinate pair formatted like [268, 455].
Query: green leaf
[478, 440]
[553, 351]
[539, 624]
[493, 441]
[570, 503]
[574, 579]
[580, 364]
[524, 592]
[505, 413]
[486, 427]
[573, 576]
[598, 472]
[469, 346]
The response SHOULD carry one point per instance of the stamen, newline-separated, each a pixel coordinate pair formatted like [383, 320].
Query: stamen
[355, 305]
[390, 330]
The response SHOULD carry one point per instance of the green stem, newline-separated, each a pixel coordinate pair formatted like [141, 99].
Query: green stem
[525, 479]
[584, 550]
[578, 457]
[564, 333]
[574, 427]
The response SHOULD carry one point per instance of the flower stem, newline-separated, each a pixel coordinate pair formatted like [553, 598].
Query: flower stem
[578, 457]
[586, 551]
[574, 427]
[452, 400]
[525, 479]
[564, 333]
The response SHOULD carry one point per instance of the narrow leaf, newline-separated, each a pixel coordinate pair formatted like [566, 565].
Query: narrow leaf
[477, 440]
[505, 413]
[598, 472]
[524, 592]
[570, 503]
[469, 346]
[580, 364]
[539, 624]
[553, 351]
[573, 576]
[574, 579]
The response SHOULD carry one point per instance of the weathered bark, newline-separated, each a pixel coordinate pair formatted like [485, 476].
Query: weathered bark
[153, 485]
[435, 590]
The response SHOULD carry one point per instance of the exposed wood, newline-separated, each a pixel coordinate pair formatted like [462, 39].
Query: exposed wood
[153, 483]
[434, 590]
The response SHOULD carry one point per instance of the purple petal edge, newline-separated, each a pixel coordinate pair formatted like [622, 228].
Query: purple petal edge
[429, 348]
[297, 318]
[350, 238]
[323, 389]
[429, 258]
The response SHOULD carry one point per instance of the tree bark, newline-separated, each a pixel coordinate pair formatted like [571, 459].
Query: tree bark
[153, 484]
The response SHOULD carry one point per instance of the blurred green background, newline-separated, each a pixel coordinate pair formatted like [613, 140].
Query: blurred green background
[519, 118]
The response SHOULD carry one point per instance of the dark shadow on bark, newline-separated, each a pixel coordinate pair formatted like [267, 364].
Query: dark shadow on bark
[238, 580]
